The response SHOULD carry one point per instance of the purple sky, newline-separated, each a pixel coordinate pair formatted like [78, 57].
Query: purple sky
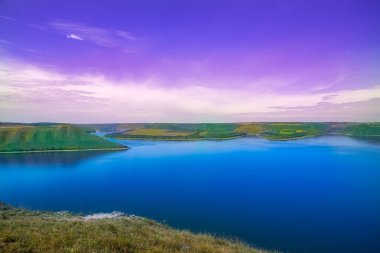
[189, 61]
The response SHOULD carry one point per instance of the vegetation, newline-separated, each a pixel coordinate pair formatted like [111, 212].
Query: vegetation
[50, 136]
[286, 131]
[32, 231]
[33, 137]
[171, 131]
[362, 130]
[271, 131]
[157, 132]
[250, 128]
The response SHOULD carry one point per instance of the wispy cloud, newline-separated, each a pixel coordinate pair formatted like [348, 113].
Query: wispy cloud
[100, 36]
[7, 18]
[5, 41]
[74, 37]
[28, 91]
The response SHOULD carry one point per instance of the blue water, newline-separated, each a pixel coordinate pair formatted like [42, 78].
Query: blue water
[312, 195]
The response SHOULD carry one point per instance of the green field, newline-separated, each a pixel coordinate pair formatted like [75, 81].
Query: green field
[286, 131]
[157, 132]
[32, 231]
[270, 131]
[43, 137]
[173, 131]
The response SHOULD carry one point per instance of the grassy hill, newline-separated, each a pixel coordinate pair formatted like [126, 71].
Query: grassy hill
[362, 130]
[39, 137]
[32, 231]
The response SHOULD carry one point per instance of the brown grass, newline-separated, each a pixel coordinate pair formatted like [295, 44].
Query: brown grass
[25, 231]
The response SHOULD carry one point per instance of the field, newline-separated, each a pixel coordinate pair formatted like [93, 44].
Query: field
[270, 131]
[286, 131]
[172, 131]
[32, 231]
[157, 132]
[40, 137]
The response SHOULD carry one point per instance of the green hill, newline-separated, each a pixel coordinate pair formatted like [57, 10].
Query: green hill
[31, 231]
[363, 129]
[40, 137]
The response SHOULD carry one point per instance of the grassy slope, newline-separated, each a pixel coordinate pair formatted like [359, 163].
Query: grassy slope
[363, 129]
[49, 137]
[26, 231]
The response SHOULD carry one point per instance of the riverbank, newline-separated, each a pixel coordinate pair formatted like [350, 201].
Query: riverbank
[35, 231]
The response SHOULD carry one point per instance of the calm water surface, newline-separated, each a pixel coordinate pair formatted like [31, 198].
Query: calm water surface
[311, 195]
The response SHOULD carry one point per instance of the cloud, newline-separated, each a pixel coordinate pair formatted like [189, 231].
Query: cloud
[29, 92]
[7, 18]
[100, 36]
[74, 37]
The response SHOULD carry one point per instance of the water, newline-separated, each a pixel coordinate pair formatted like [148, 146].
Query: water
[311, 195]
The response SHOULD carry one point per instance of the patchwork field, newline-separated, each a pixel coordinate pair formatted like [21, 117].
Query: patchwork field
[270, 131]
[157, 132]
[169, 131]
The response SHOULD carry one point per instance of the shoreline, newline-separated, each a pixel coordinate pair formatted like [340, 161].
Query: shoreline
[63, 150]
[179, 139]
[217, 139]
[237, 137]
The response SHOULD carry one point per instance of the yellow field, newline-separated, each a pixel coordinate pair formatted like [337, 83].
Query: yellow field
[157, 132]
[250, 129]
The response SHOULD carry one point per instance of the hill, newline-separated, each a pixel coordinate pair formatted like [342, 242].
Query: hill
[32, 231]
[52, 137]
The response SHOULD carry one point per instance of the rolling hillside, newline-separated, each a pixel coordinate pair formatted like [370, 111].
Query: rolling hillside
[40, 137]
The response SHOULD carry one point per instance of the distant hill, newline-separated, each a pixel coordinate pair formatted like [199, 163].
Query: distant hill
[42, 137]
[266, 130]
[364, 129]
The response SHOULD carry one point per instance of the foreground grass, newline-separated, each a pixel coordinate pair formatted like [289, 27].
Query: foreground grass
[50, 137]
[31, 231]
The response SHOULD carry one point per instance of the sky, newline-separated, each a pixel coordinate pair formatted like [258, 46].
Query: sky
[189, 61]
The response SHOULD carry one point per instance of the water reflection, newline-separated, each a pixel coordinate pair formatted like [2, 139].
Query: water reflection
[50, 158]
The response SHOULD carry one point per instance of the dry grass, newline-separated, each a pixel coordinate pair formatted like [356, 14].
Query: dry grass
[24, 231]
